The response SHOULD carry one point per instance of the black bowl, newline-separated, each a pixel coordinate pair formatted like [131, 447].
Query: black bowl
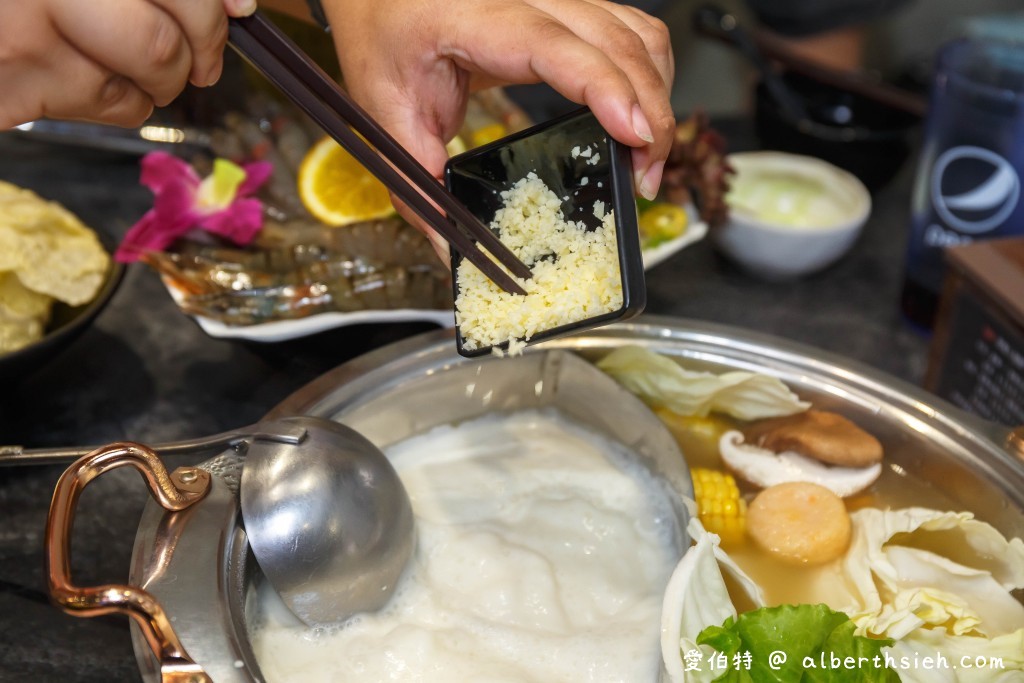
[867, 138]
[477, 178]
[66, 324]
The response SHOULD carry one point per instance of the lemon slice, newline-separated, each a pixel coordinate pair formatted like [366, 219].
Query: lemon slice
[337, 189]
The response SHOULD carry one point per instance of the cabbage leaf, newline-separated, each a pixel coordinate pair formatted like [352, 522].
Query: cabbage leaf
[955, 606]
[958, 659]
[661, 382]
[908, 602]
[696, 597]
[900, 587]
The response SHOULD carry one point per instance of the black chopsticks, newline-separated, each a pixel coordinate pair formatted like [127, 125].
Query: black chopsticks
[286, 66]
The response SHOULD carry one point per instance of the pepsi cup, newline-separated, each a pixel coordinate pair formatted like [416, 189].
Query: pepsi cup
[968, 183]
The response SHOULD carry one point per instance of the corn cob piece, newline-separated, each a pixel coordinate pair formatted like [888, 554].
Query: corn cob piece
[719, 506]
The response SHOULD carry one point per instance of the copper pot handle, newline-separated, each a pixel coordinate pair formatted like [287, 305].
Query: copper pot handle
[177, 491]
[1015, 442]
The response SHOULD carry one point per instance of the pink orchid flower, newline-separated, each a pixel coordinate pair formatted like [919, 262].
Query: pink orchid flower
[221, 203]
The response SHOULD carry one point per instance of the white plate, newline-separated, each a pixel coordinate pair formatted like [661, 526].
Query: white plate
[283, 330]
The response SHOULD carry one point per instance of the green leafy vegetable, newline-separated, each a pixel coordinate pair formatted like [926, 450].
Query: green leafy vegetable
[792, 643]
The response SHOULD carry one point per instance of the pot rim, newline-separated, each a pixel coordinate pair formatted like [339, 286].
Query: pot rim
[219, 588]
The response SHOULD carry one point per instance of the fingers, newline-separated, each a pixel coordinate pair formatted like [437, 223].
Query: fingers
[205, 28]
[589, 54]
[652, 31]
[438, 243]
[148, 47]
[239, 8]
[89, 93]
[538, 47]
[420, 101]
[426, 146]
[108, 60]
[44, 76]
[638, 43]
[115, 100]
[159, 45]
[424, 55]
[639, 46]
[647, 172]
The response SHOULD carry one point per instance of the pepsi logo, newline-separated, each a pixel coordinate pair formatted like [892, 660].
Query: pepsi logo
[974, 190]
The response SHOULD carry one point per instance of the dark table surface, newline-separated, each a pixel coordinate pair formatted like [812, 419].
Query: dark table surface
[144, 371]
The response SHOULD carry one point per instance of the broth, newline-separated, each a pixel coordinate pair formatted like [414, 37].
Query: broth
[785, 583]
[543, 552]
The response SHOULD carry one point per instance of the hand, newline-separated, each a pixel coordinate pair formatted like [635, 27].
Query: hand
[413, 63]
[109, 61]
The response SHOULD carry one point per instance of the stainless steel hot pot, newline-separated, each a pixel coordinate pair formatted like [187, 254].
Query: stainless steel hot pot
[196, 565]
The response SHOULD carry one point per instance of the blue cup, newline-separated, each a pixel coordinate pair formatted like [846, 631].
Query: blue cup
[970, 173]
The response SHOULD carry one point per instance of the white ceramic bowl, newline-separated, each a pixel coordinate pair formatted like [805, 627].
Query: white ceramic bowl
[790, 215]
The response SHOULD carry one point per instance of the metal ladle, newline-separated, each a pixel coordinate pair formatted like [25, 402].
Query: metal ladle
[326, 515]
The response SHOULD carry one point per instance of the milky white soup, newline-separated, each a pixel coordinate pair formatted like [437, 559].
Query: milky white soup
[542, 555]
[787, 200]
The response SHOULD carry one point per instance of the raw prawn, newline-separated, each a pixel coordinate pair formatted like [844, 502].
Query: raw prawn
[301, 271]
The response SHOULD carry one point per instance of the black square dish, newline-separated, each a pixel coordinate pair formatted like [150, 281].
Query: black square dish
[581, 164]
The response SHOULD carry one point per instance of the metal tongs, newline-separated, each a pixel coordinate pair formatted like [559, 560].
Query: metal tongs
[285, 65]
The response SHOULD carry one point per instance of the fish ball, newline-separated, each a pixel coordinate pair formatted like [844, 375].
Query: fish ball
[799, 522]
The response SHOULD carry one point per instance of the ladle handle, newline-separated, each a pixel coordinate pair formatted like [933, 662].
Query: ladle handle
[712, 20]
[177, 491]
[773, 47]
[207, 445]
